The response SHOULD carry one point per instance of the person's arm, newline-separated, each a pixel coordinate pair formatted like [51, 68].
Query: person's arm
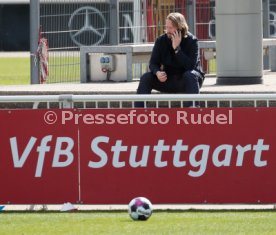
[155, 64]
[189, 60]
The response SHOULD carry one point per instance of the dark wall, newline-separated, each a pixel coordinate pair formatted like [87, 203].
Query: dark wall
[14, 27]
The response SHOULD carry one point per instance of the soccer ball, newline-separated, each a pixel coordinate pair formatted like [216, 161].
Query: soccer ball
[140, 208]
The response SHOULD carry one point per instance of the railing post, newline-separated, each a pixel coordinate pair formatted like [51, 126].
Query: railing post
[67, 101]
[114, 39]
[34, 37]
[266, 33]
[191, 16]
[272, 58]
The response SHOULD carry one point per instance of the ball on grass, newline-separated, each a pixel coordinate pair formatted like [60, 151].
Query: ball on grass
[140, 208]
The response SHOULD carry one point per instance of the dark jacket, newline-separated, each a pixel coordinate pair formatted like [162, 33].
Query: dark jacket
[186, 59]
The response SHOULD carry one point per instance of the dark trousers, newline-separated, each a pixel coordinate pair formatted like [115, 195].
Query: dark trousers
[187, 83]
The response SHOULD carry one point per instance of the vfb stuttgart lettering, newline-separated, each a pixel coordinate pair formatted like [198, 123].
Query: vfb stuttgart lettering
[104, 150]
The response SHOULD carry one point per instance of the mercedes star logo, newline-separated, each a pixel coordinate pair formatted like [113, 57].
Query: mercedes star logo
[87, 26]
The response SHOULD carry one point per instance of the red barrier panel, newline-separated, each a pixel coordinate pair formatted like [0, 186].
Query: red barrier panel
[110, 156]
[33, 166]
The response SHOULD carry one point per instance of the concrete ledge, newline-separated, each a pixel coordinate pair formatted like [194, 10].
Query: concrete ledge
[209, 87]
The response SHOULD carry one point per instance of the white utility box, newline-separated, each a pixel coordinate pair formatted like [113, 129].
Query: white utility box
[100, 64]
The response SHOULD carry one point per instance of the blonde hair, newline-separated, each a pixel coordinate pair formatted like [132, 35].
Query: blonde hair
[178, 20]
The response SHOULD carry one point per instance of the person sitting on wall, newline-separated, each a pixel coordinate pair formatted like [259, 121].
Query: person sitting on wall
[175, 62]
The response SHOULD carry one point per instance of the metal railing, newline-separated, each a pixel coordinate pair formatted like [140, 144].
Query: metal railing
[69, 24]
[128, 101]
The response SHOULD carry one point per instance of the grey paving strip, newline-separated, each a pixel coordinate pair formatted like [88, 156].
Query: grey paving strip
[122, 207]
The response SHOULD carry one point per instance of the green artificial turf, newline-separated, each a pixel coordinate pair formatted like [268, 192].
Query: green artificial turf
[162, 222]
[14, 71]
[17, 71]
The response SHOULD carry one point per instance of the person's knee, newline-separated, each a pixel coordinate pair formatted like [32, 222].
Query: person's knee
[145, 86]
[191, 82]
[190, 76]
[146, 77]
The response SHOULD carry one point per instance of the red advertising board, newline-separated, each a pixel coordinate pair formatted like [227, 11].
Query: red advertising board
[109, 156]
[33, 169]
